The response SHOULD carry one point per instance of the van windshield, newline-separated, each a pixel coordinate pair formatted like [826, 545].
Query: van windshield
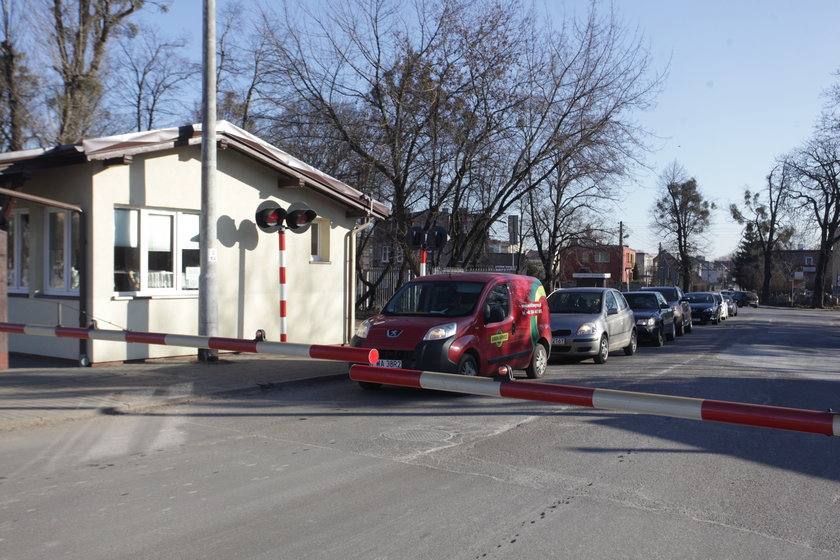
[447, 299]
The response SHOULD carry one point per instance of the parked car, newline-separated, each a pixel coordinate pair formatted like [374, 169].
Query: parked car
[731, 306]
[591, 323]
[704, 307]
[469, 323]
[654, 316]
[724, 310]
[745, 298]
[676, 299]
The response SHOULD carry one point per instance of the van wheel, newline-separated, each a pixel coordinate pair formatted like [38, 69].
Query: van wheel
[603, 350]
[467, 365]
[539, 362]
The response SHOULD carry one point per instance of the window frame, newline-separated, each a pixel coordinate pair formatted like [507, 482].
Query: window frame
[67, 250]
[144, 217]
[14, 283]
[319, 249]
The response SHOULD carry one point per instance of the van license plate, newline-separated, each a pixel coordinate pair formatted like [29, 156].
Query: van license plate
[390, 363]
[558, 341]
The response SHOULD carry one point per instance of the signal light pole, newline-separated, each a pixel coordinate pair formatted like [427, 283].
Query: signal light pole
[271, 218]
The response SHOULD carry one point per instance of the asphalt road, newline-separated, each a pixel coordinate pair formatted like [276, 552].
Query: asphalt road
[332, 471]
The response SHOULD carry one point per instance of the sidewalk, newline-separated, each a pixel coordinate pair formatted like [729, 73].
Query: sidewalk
[36, 391]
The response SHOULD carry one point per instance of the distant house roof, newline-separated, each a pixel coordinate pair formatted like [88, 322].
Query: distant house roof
[122, 147]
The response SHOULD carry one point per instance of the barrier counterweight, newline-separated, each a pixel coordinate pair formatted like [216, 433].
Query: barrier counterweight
[780, 418]
[314, 351]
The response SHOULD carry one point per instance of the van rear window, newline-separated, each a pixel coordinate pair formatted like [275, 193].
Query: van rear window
[446, 299]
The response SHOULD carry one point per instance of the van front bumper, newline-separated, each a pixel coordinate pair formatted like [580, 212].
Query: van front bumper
[428, 355]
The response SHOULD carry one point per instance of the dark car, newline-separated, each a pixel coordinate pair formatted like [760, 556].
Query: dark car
[654, 316]
[676, 299]
[744, 298]
[705, 307]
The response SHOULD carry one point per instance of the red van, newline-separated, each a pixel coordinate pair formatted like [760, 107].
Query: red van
[468, 323]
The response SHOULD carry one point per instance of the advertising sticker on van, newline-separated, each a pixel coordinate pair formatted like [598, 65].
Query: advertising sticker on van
[499, 338]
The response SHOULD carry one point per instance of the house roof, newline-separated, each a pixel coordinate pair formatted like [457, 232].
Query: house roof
[120, 149]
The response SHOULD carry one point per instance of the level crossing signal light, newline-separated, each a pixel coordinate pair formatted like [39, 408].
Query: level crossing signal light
[271, 218]
[433, 238]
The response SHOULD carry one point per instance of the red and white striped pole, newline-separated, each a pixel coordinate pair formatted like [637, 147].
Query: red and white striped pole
[779, 418]
[314, 351]
[282, 236]
[422, 262]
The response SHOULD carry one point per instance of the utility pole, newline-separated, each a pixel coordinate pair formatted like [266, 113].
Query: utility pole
[207, 287]
[621, 252]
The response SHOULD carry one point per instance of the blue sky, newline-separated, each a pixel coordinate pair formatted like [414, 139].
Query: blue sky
[745, 85]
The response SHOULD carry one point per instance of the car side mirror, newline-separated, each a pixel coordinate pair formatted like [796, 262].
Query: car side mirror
[612, 311]
[664, 306]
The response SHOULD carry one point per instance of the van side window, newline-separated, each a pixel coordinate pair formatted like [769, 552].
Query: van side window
[498, 303]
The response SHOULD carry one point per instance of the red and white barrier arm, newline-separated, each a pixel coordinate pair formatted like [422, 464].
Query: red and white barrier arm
[314, 351]
[779, 418]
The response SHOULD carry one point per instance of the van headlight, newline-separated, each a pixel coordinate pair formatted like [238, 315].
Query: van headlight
[363, 329]
[441, 331]
[587, 328]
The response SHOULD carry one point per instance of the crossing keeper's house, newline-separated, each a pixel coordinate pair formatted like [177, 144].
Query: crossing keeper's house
[140, 201]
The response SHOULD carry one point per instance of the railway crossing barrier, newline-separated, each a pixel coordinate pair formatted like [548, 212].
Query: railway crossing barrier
[780, 418]
[256, 346]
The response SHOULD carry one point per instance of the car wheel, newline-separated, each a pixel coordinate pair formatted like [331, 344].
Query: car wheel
[630, 349]
[660, 339]
[603, 350]
[467, 365]
[687, 327]
[672, 334]
[680, 328]
[539, 362]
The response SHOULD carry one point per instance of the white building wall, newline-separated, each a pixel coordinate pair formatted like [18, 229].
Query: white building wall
[248, 260]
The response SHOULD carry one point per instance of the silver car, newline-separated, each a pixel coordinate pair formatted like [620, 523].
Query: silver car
[591, 323]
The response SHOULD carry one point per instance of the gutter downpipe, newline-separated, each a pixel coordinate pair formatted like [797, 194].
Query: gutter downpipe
[351, 265]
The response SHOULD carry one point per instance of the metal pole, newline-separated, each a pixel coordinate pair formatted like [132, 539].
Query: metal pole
[207, 289]
[282, 236]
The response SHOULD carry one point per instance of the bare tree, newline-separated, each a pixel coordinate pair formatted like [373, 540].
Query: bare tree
[816, 187]
[766, 211]
[151, 77]
[18, 87]
[80, 33]
[681, 216]
[466, 107]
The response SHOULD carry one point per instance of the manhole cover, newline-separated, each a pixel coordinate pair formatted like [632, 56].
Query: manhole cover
[418, 435]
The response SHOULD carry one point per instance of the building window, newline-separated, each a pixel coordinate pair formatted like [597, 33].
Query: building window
[809, 261]
[387, 254]
[602, 257]
[62, 252]
[155, 250]
[320, 241]
[17, 259]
